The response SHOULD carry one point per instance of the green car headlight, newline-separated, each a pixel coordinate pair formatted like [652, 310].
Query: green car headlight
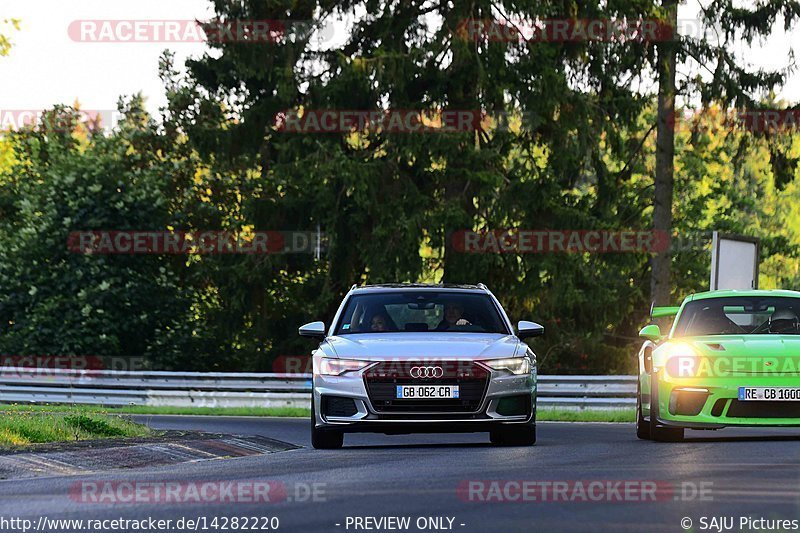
[683, 361]
[515, 365]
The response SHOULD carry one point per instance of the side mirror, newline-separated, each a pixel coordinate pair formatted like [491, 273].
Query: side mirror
[527, 329]
[313, 330]
[651, 333]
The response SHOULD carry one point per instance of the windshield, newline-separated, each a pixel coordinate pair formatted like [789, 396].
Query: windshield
[415, 311]
[738, 316]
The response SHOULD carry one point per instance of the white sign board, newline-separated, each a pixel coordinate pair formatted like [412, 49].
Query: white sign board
[734, 262]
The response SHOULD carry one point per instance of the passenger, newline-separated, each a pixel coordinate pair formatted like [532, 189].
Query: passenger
[379, 322]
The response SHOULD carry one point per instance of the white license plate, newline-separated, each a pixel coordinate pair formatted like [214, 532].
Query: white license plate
[769, 394]
[424, 392]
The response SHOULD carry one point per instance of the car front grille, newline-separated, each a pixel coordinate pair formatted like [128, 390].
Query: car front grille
[382, 380]
[739, 409]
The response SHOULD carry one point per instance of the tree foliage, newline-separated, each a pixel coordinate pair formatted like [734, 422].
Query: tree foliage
[578, 154]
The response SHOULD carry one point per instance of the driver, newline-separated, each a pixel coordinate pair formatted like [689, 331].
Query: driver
[784, 321]
[453, 316]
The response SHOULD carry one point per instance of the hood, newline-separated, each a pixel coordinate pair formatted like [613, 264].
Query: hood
[377, 346]
[767, 345]
[741, 355]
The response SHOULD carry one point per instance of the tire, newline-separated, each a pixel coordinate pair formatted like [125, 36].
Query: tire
[658, 432]
[524, 435]
[642, 425]
[324, 439]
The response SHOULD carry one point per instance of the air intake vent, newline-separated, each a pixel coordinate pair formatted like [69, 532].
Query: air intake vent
[338, 406]
[719, 407]
[514, 405]
[687, 403]
[740, 409]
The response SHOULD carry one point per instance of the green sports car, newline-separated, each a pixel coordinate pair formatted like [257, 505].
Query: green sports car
[731, 358]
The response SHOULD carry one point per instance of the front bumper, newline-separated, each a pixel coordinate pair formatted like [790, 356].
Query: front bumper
[717, 403]
[369, 418]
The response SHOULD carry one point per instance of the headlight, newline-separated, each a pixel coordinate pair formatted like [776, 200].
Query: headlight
[328, 366]
[682, 361]
[515, 365]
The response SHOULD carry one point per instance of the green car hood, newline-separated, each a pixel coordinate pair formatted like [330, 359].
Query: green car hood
[742, 354]
[745, 345]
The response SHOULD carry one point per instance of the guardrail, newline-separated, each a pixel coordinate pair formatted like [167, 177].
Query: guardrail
[206, 389]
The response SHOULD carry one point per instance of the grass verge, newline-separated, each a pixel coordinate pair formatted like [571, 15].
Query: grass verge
[587, 415]
[543, 415]
[164, 410]
[23, 425]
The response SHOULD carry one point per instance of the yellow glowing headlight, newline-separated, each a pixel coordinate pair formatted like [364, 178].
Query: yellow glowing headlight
[682, 361]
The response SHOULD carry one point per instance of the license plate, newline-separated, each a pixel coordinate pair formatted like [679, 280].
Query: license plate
[769, 394]
[424, 392]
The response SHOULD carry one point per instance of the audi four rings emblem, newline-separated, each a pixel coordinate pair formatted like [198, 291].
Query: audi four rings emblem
[426, 372]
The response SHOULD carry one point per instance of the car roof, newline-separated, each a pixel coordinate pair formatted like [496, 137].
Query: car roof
[387, 287]
[730, 293]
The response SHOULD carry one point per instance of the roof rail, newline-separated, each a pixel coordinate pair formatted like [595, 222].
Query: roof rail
[482, 286]
[354, 286]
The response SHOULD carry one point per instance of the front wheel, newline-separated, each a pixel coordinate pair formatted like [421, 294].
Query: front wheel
[658, 432]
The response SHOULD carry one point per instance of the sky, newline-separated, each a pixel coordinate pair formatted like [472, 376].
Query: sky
[47, 65]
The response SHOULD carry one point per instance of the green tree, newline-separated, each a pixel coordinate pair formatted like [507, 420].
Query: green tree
[384, 197]
[724, 80]
[64, 178]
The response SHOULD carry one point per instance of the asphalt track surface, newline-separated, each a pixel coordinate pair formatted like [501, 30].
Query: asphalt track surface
[729, 473]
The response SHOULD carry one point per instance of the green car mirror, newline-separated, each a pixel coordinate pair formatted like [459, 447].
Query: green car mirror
[651, 332]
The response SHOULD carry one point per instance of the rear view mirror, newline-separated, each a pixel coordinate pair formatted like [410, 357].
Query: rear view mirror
[527, 329]
[313, 329]
[651, 333]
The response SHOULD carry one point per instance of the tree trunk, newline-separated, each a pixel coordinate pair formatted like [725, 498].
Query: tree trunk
[660, 288]
[461, 96]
